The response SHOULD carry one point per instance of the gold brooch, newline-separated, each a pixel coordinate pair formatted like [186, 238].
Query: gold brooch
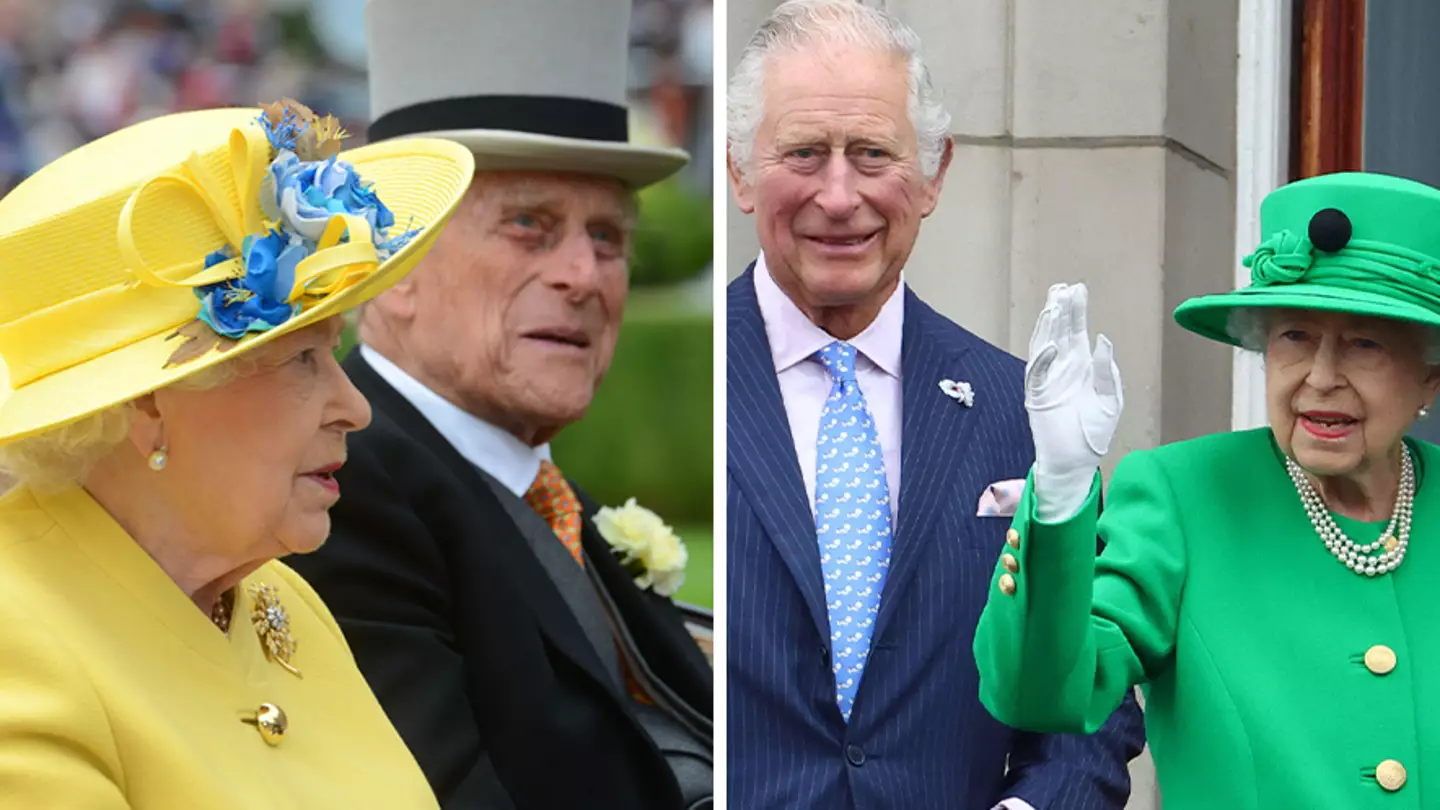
[273, 626]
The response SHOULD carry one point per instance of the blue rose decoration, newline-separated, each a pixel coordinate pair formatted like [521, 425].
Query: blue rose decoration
[300, 197]
[303, 195]
[360, 199]
[255, 302]
[288, 195]
[1282, 259]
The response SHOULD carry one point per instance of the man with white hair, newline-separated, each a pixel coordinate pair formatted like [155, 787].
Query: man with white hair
[523, 661]
[857, 573]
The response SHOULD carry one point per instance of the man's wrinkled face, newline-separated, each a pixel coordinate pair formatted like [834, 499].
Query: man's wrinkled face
[835, 181]
[518, 306]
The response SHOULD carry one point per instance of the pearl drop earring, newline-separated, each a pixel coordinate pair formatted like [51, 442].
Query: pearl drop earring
[158, 459]
[1424, 411]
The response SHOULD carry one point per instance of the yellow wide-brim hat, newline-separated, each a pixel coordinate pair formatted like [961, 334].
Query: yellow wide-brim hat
[103, 250]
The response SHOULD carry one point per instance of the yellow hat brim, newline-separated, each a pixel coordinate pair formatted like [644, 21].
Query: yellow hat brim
[421, 180]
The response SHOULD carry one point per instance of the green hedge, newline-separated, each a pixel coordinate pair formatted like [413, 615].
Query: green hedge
[674, 239]
[648, 434]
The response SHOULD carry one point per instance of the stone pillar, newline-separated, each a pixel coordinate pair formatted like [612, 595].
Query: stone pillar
[1094, 141]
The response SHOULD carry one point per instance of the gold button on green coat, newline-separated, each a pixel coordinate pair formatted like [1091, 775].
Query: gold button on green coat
[1391, 775]
[1215, 594]
[1007, 584]
[1380, 659]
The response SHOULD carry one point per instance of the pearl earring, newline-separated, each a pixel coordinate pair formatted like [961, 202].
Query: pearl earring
[158, 459]
[1424, 411]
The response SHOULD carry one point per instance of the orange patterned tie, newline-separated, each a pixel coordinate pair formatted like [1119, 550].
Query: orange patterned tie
[552, 499]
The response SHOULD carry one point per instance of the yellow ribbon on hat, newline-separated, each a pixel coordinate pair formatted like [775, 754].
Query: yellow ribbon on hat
[102, 321]
[249, 157]
[335, 265]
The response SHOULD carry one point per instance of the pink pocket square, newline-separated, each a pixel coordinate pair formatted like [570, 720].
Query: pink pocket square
[1001, 498]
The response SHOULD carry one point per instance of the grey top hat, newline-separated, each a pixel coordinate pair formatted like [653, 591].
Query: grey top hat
[537, 85]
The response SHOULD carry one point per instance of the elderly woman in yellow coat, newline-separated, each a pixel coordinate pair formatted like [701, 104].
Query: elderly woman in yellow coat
[169, 300]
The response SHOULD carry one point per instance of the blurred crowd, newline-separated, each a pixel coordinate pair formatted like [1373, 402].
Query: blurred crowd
[72, 70]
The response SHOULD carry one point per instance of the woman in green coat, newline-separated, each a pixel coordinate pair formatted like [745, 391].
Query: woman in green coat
[1276, 592]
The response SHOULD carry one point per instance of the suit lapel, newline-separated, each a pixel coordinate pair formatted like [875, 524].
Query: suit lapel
[544, 598]
[652, 625]
[761, 451]
[933, 428]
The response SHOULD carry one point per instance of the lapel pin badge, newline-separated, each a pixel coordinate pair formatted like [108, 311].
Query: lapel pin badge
[960, 391]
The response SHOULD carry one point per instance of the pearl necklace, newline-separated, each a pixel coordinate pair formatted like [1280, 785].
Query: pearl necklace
[1361, 558]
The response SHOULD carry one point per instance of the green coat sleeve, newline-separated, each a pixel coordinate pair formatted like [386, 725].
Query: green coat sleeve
[1059, 652]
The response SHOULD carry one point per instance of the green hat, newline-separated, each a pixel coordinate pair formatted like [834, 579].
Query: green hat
[1362, 243]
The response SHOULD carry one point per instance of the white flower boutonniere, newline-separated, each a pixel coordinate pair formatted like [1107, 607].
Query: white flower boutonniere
[649, 549]
[959, 391]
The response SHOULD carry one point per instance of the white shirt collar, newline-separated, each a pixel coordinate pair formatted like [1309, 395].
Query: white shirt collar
[512, 462]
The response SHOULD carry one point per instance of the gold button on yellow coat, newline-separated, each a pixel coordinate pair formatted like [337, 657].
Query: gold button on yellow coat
[117, 693]
[271, 722]
[1215, 594]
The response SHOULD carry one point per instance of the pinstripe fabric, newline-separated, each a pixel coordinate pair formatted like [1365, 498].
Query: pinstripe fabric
[917, 728]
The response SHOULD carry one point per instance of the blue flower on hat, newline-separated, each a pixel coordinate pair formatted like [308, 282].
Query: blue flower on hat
[1282, 259]
[358, 198]
[302, 189]
[291, 193]
[256, 301]
[303, 195]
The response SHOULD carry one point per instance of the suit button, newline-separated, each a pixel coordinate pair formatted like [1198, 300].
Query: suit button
[854, 755]
[1012, 538]
[1007, 584]
[270, 720]
[1380, 659]
[1390, 774]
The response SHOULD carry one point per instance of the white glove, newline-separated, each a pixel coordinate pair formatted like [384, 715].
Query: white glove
[1074, 398]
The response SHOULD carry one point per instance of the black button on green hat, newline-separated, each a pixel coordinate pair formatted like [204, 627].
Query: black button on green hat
[1329, 229]
[1355, 242]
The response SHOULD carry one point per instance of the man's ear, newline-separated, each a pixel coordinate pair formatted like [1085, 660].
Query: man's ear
[740, 187]
[934, 184]
[397, 303]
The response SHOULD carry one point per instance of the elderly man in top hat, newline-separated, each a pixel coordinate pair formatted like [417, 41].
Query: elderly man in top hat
[514, 653]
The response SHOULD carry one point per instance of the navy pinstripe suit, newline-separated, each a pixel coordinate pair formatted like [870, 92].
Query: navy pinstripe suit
[918, 737]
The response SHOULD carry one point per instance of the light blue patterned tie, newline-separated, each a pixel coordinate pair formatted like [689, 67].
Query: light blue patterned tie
[852, 520]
